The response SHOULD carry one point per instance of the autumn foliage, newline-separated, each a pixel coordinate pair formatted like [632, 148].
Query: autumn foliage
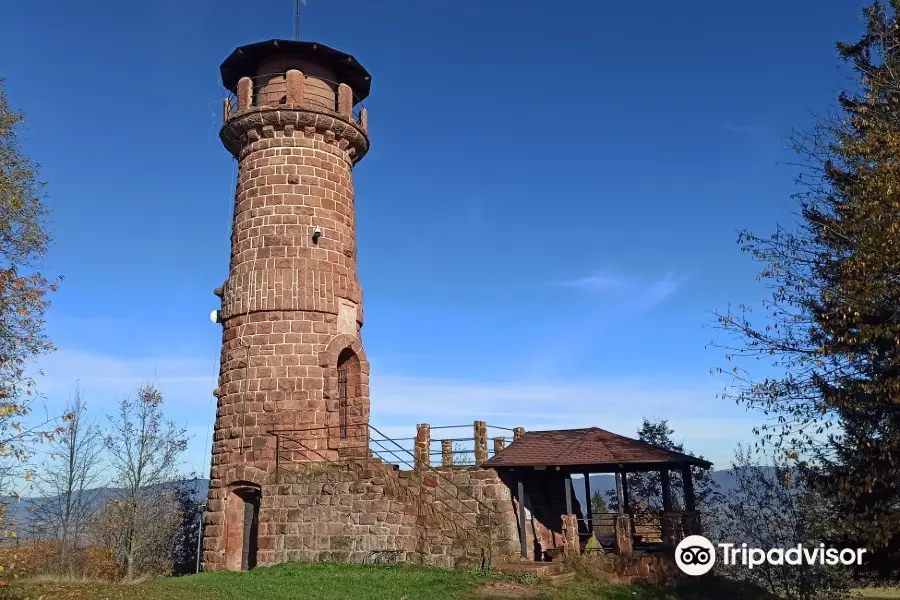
[35, 558]
[24, 290]
[24, 293]
[831, 329]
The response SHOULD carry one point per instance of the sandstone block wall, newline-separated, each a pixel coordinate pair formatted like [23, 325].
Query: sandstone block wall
[362, 511]
[292, 306]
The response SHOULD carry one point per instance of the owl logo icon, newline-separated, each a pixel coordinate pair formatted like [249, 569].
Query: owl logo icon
[695, 555]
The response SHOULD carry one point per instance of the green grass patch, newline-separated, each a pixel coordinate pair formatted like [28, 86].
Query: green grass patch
[357, 582]
[328, 581]
[878, 593]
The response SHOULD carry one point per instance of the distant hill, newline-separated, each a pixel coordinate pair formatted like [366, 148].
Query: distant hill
[603, 483]
[21, 510]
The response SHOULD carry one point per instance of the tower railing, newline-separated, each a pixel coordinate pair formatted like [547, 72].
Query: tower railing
[397, 454]
[262, 96]
[450, 448]
[332, 443]
[455, 449]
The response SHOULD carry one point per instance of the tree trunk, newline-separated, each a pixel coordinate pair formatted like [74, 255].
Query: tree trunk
[129, 564]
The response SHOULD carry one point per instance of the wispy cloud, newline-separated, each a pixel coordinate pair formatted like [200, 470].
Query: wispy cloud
[399, 402]
[599, 282]
[615, 298]
[638, 293]
[186, 383]
[110, 377]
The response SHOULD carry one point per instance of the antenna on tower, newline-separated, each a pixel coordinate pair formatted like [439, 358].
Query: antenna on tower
[297, 20]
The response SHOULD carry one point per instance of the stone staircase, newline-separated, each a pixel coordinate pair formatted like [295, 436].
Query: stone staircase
[554, 573]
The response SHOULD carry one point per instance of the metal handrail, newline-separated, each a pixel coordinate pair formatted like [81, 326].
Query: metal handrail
[289, 435]
[281, 434]
[393, 453]
[379, 445]
[409, 488]
[474, 523]
[407, 449]
[436, 472]
[304, 429]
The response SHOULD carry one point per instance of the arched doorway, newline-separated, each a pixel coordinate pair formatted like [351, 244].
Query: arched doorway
[241, 527]
[348, 380]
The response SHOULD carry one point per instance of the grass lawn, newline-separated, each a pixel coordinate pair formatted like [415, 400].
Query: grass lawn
[350, 582]
[878, 593]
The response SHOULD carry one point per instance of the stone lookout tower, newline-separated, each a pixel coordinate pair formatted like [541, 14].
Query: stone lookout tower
[295, 474]
[291, 308]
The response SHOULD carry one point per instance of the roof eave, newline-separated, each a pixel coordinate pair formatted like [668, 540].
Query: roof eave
[611, 465]
[243, 60]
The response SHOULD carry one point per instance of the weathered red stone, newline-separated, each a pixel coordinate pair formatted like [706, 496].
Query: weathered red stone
[291, 307]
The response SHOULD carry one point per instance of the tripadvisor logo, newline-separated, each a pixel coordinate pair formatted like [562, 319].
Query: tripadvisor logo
[696, 555]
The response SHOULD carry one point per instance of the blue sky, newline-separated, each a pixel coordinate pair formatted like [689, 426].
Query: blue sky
[546, 218]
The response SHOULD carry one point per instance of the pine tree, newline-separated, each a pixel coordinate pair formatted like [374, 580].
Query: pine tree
[831, 329]
[598, 504]
[645, 488]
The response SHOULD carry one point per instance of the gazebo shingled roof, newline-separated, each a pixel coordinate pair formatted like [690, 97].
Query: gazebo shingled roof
[591, 446]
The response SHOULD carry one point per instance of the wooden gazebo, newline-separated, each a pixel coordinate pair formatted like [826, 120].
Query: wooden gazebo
[537, 462]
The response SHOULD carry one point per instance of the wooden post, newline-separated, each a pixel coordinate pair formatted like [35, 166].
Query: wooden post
[620, 500]
[589, 511]
[626, 497]
[666, 490]
[568, 483]
[691, 519]
[666, 520]
[521, 499]
[690, 501]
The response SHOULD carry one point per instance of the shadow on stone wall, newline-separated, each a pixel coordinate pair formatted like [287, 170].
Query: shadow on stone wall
[545, 499]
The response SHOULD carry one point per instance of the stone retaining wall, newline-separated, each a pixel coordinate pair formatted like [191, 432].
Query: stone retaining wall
[363, 511]
[627, 570]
